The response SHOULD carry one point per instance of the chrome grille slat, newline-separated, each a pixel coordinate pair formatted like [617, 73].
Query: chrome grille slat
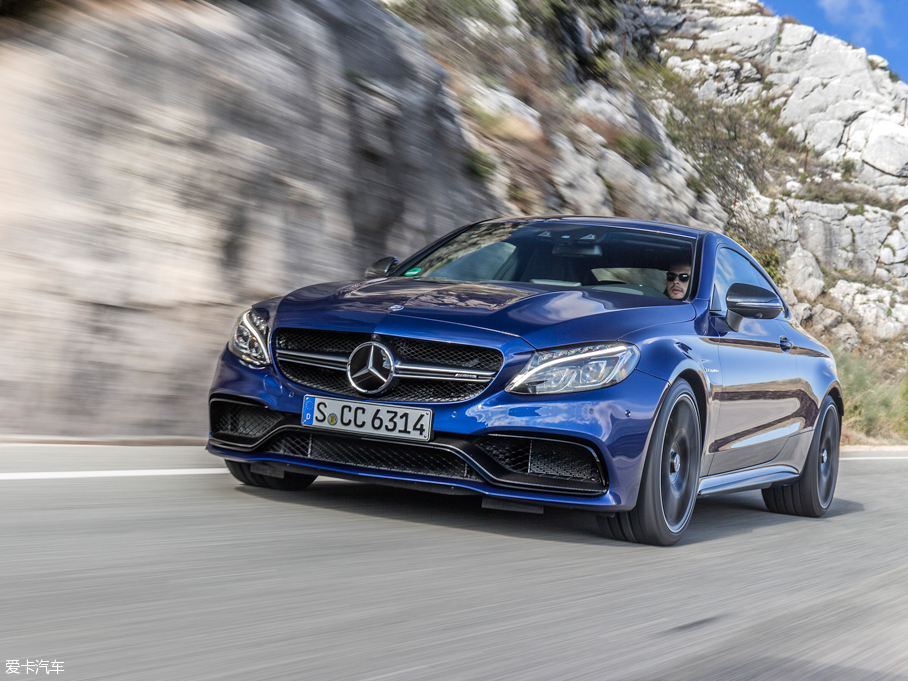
[315, 359]
[442, 373]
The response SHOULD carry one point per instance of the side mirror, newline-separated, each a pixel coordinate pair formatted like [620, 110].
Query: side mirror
[753, 302]
[382, 267]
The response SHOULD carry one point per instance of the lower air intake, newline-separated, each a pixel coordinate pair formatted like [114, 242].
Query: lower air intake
[385, 456]
[543, 458]
[238, 420]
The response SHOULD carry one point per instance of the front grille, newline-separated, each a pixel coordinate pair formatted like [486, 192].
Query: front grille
[407, 390]
[386, 456]
[445, 354]
[242, 420]
[409, 350]
[313, 340]
[542, 458]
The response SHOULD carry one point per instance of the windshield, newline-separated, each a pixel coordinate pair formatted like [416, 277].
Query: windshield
[564, 255]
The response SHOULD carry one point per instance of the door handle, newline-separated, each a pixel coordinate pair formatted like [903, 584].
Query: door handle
[785, 344]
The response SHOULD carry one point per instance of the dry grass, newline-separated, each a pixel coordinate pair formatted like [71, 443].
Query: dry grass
[828, 190]
[603, 128]
[875, 387]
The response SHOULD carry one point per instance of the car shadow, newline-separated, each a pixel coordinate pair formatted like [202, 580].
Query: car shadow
[426, 508]
[714, 517]
[737, 513]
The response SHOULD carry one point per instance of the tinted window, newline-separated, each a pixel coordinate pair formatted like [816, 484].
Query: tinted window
[734, 268]
[564, 255]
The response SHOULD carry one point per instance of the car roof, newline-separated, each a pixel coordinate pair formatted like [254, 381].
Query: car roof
[599, 221]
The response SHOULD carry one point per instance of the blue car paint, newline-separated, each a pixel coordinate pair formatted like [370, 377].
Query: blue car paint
[675, 339]
[615, 420]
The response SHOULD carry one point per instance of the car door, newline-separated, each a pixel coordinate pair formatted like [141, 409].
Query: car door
[758, 396]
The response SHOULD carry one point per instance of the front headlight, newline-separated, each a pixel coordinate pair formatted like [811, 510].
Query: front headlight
[249, 341]
[571, 370]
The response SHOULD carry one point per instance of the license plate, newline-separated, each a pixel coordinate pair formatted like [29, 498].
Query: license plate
[402, 423]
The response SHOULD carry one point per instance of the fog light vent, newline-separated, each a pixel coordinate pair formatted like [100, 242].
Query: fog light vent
[542, 458]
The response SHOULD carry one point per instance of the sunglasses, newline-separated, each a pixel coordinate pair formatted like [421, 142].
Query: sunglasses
[671, 276]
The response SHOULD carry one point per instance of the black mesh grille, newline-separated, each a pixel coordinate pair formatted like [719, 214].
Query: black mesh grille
[543, 458]
[386, 456]
[321, 379]
[407, 349]
[445, 354]
[312, 340]
[512, 453]
[243, 420]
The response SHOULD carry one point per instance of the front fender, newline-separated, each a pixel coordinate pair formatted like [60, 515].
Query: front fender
[676, 351]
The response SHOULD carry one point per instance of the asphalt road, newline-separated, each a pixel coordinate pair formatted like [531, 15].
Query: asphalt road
[197, 577]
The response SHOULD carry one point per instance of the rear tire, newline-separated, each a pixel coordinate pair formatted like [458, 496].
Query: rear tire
[291, 482]
[671, 476]
[811, 496]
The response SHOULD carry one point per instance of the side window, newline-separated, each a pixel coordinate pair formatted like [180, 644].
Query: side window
[733, 268]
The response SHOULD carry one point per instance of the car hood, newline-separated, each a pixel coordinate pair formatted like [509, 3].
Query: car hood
[544, 316]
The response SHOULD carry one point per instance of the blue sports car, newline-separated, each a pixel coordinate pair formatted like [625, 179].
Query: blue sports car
[610, 365]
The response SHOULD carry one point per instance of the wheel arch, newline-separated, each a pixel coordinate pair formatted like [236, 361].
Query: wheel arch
[690, 372]
[695, 380]
[835, 392]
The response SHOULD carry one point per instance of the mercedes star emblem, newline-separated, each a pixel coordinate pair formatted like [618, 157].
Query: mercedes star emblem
[370, 368]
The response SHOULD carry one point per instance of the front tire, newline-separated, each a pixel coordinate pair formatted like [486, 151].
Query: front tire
[291, 482]
[671, 476]
[811, 496]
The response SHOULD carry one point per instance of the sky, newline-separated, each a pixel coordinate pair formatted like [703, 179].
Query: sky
[877, 25]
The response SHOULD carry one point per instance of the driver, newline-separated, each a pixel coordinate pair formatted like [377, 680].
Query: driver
[677, 280]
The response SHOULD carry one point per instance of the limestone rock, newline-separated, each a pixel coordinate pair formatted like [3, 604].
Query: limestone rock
[576, 180]
[801, 312]
[825, 319]
[847, 336]
[822, 231]
[887, 148]
[520, 121]
[803, 274]
[164, 165]
[825, 135]
[751, 37]
[881, 312]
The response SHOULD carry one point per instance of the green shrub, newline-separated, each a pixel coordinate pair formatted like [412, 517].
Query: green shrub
[519, 195]
[481, 164]
[600, 66]
[544, 14]
[848, 167]
[638, 150]
[894, 77]
[696, 185]
[771, 262]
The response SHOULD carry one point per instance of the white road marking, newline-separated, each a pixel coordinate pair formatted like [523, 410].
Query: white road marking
[110, 474]
[873, 458]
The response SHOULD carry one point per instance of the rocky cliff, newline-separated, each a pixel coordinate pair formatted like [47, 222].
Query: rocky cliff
[165, 164]
[818, 176]
[712, 113]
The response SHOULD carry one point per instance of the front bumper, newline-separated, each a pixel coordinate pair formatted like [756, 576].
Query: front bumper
[612, 424]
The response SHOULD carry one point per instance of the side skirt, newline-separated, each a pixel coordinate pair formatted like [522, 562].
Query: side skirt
[751, 478]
